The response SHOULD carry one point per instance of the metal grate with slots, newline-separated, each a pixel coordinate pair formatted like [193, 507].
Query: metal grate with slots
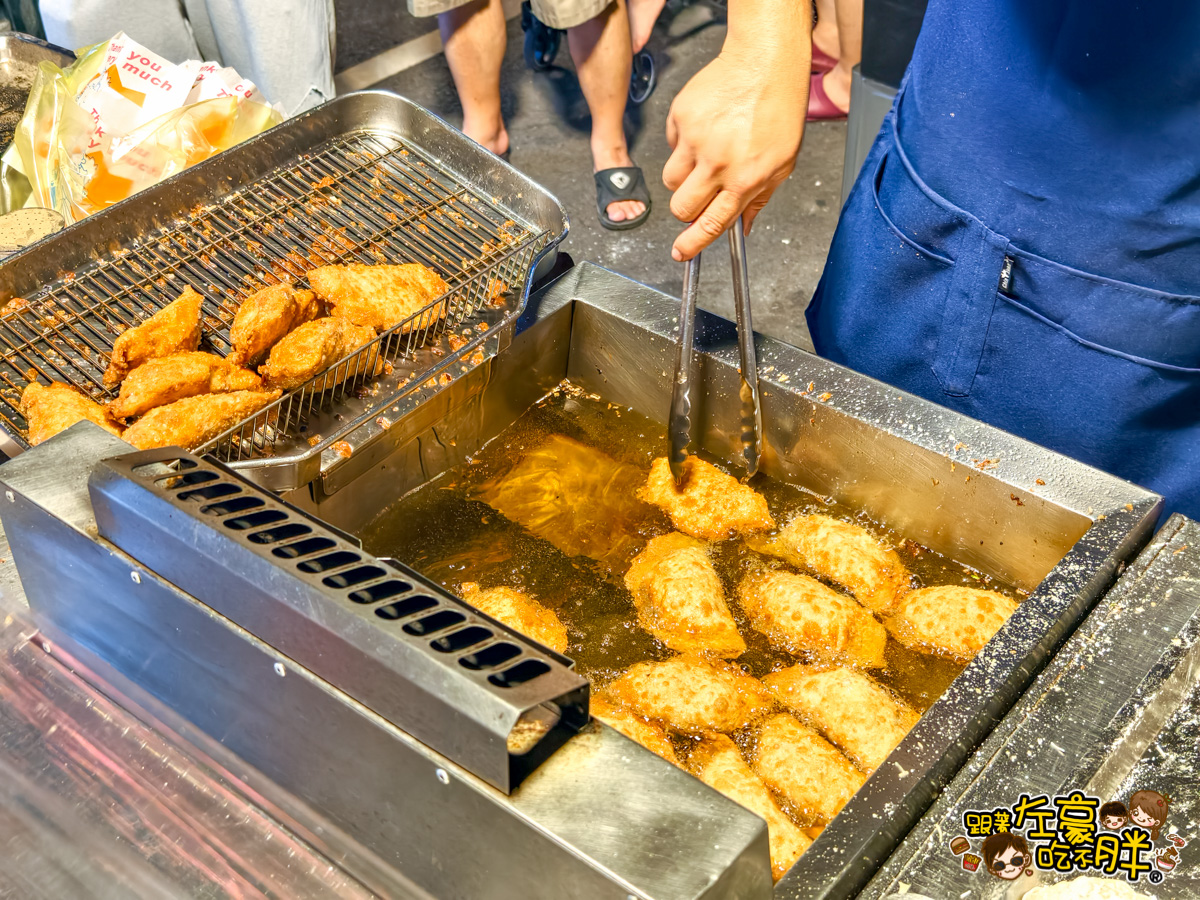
[358, 197]
[491, 699]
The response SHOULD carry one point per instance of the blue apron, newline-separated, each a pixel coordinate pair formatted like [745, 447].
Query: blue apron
[1023, 240]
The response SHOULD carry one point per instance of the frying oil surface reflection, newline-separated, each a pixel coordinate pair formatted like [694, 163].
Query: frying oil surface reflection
[446, 531]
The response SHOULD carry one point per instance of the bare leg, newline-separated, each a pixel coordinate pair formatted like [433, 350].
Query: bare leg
[825, 32]
[642, 16]
[474, 36]
[603, 59]
[850, 22]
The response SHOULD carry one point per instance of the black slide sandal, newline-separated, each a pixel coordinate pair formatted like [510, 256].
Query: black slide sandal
[623, 183]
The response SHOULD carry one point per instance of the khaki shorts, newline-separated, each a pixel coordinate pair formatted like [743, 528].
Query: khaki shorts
[553, 13]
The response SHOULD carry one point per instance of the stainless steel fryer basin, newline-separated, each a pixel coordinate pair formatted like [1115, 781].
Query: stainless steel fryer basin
[1054, 527]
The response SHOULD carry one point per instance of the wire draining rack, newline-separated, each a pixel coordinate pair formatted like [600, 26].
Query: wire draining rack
[368, 178]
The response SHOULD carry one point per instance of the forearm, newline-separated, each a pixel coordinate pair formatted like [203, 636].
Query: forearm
[775, 31]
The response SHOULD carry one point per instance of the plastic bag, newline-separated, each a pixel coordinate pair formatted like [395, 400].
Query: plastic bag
[120, 119]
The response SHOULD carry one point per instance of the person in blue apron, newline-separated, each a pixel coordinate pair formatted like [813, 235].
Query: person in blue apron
[1022, 243]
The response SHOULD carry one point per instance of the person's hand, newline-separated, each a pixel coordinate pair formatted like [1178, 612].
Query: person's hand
[734, 130]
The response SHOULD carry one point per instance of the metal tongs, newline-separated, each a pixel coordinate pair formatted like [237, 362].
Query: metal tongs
[680, 423]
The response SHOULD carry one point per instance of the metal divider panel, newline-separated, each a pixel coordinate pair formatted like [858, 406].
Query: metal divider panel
[469, 687]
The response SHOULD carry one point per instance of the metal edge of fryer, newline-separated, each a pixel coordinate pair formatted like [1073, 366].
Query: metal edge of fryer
[301, 744]
[495, 702]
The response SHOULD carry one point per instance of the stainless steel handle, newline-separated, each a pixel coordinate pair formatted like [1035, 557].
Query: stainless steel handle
[751, 436]
[679, 426]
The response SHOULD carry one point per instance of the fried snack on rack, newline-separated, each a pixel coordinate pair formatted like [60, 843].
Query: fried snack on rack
[633, 726]
[798, 614]
[680, 600]
[579, 499]
[381, 296]
[712, 505]
[691, 694]
[718, 763]
[170, 378]
[845, 553]
[49, 409]
[314, 347]
[519, 612]
[805, 769]
[850, 708]
[174, 328]
[953, 620]
[265, 317]
[193, 421]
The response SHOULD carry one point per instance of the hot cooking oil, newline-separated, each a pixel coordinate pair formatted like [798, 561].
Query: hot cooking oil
[445, 530]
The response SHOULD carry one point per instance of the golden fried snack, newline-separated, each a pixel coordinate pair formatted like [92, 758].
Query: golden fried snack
[843, 552]
[314, 347]
[799, 614]
[173, 328]
[170, 378]
[712, 505]
[679, 597]
[380, 296]
[693, 695]
[648, 734]
[193, 421]
[718, 763]
[49, 409]
[579, 499]
[848, 707]
[265, 317]
[519, 612]
[805, 769]
[954, 619]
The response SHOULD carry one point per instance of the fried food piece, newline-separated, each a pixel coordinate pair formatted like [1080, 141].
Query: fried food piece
[193, 421]
[519, 612]
[174, 328]
[381, 296]
[314, 347]
[954, 619]
[580, 500]
[170, 378]
[799, 614]
[679, 597]
[691, 694]
[805, 769]
[265, 317]
[843, 552]
[850, 708]
[49, 409]
[718, 763]
[634, 727]
[712, 505]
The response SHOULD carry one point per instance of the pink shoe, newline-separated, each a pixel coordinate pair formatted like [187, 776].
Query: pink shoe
[820, 107]
[821, 61]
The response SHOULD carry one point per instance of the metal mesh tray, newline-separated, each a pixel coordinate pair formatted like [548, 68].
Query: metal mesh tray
[368, 178]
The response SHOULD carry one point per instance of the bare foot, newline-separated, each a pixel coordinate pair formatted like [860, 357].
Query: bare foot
[612, 158]
[825, 38]
[492, 136]
[642, 16]
[837, 86]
